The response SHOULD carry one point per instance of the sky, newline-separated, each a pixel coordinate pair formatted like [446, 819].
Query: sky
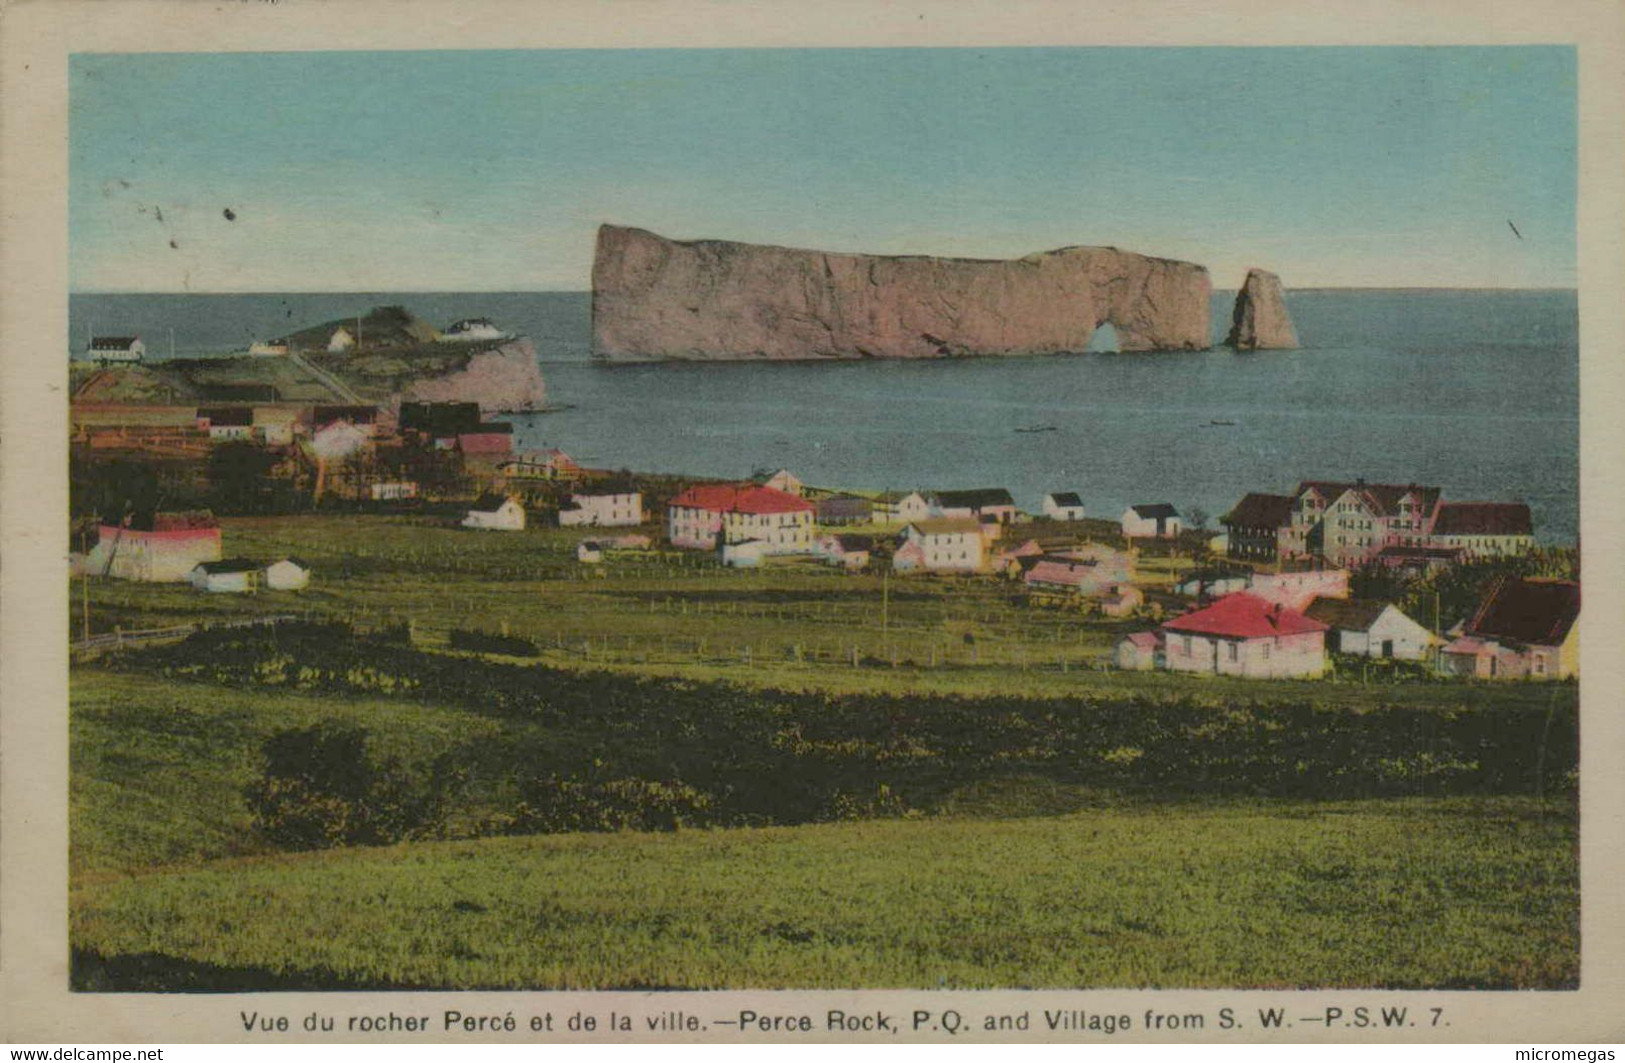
[491, 171]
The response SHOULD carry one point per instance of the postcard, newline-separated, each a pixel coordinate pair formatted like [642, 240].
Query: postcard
[1024, 525]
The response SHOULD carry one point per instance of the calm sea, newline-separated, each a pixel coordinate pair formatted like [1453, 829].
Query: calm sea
[1474, 391]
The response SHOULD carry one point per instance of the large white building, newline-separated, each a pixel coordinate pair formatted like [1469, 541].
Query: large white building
[943, 544]
[712, 515]
[602, 509]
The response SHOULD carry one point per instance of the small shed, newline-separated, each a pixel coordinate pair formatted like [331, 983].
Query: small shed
[1140, 651]
[231, 576]
[589, 552]
[1156, 520]
[287, 574]
[496, 513]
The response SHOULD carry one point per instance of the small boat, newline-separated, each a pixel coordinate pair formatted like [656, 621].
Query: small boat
[1036, 428]
[1222, 424]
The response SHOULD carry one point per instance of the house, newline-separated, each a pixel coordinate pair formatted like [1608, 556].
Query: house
[1063, 505]
[231, 576]
[1008, 561]
[263, 349]
[117, 350]
[1484, 529]
[1242, 634]
[589, 552]
[1121, 600]
[287, 574]
[901, 508]
[993, 503]
[490, 439]
[226, 423]
[1348, 523]
[942, 544]
[786, 481]
[1212, 583]
[553, 464]
[277, 425]
[1050, 576]
[602, 507]
[338, 440]
[1295, 590]
[746, 553]
[341, 341]
[1256, 526]
[1371, 629]
[712, 515]
[472, 329]
[1524, 629]
[851, 552]
[160, 548]
[495, 512]
[844, 509]
[359, 414]
[392, 490]
[1139, 652]
[1157, 520]
[1417, 561]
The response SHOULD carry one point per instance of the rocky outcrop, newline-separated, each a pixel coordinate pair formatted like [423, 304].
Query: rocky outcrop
[655, 298]
[505, 379]
[1260, 321]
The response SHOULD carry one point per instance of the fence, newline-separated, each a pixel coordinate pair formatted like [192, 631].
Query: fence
[143, 636]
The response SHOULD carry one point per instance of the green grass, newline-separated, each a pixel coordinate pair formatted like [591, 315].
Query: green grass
[1441, 893]
[158, 768]
[676, 613]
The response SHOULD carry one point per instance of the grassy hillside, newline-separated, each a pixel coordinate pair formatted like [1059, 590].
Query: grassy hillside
[1444, 893]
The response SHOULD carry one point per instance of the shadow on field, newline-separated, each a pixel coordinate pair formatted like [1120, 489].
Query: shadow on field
[154, 972]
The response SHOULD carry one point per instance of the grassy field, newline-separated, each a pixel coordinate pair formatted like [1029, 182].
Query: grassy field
[795, 625]
[1017, 814]
[1445, 893]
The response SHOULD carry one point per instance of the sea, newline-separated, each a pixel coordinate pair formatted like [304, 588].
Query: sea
[1473, 391]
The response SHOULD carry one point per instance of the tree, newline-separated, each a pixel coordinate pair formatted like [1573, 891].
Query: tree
[1196, 517]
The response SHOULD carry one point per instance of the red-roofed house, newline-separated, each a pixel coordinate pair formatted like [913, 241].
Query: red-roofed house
[1484, 529]
[712, 515]
[1242, 634]
[1525, 629]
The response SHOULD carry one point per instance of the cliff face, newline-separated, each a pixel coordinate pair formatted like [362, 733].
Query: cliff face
[505, 379]
[712, 299]
[1260, 321]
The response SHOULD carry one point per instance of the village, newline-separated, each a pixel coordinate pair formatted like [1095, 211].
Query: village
[1288, 587]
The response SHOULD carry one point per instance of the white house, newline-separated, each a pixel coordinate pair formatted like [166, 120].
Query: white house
[392, 490]
[288, 574]
[991, 504]
[1371, 629]
[226, 423]
[472, 329]
[1157, 520]
[232, 576]
[901, 508]
[263, 349]
[496, 513]
[113, 350]
[1242, 634]
[786, 481]
[340, 341]
[602, 509]
[1063, 505]
[943, 544]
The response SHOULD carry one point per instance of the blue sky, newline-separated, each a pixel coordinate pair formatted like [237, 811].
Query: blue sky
[492, 170]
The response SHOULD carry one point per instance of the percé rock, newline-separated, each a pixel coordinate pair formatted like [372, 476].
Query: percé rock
[504, 379]
[655, 298]
[1260, 321]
